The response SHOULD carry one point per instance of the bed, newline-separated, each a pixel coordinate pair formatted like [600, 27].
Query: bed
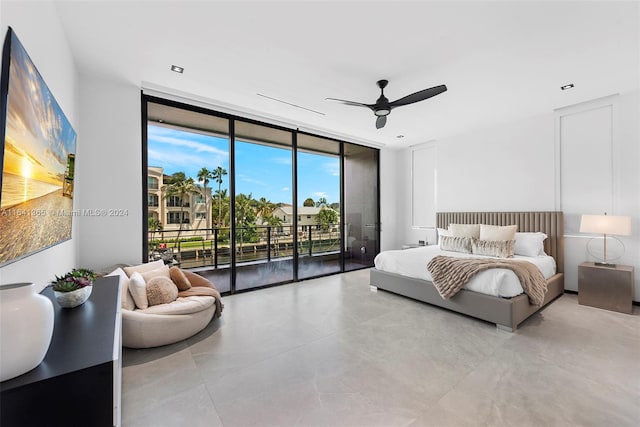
[506, 313]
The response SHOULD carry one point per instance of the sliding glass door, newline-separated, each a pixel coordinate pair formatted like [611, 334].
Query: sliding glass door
[249, 205]
[187, 191]
[318, 232]
[263, 193]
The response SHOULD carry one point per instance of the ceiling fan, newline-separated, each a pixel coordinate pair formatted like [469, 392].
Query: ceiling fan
[382, 108]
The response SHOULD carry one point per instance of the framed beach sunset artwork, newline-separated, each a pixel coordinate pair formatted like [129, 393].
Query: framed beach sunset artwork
[38, 159]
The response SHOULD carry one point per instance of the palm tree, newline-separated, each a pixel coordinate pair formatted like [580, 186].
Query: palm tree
[217, 174]
[245, 218]
[322, 201]
[154, 225]
[203, 176]
[222, 195]
[183, 188]
[264, 208]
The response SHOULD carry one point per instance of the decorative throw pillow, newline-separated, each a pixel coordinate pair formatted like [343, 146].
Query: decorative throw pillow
[158, 272]
[443, 232]
[495, 248]
[456, 244]
[138, 289]
[127, 300]
[179, 279]
[496, 232]
[161, 290]
[465, 230]
[530, 244]
[143, 267]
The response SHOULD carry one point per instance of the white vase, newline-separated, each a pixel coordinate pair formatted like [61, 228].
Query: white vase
[26, 328]
[73, 298]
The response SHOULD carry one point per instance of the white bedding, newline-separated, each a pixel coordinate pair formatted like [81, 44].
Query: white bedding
[498, 282]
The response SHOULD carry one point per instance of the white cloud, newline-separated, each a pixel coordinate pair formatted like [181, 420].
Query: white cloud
[161, 136]
[332, 168]
[281, 161]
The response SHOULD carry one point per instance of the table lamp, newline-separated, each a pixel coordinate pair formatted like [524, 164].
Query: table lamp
[606, 224]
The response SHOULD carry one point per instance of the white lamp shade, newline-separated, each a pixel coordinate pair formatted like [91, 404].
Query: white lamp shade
[606, 224]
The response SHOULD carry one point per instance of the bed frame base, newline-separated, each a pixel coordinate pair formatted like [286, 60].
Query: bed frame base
[506, 313]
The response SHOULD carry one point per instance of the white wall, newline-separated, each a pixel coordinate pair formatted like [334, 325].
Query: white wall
[512, 167]
[109, 174]
[37, 26]
[389, 238]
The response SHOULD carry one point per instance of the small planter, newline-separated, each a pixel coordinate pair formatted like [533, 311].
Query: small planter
[73, 298]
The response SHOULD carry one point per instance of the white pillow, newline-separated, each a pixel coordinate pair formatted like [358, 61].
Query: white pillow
[465, 230]
[138, 289]
[158, 272]
[496, 232]
[127, 300]
[143, 267]
[530, 244]
[442, 232]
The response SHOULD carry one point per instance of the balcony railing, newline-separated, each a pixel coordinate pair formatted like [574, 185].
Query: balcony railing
[210, 247]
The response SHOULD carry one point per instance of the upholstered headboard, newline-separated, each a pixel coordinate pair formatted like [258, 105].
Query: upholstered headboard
[550, 223]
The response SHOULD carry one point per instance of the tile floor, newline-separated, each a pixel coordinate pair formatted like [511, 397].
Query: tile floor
[332, 352]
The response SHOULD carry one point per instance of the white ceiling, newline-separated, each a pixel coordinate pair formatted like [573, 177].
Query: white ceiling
[501, 61]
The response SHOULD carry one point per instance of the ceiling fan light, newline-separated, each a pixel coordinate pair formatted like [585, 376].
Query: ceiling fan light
[382, 112]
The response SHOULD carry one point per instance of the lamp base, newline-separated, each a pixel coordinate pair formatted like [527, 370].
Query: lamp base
[605, 264]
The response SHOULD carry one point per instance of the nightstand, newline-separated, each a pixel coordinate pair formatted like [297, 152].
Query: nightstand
[610, 288]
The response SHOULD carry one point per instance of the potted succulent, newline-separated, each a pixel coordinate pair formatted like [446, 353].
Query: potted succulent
[73, 288]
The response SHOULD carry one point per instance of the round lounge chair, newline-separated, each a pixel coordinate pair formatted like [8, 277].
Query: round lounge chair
[171, 322]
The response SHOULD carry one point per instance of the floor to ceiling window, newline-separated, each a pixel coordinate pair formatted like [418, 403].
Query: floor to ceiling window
[188, 190]
[263, 191]
[248, 204]
[318, 179]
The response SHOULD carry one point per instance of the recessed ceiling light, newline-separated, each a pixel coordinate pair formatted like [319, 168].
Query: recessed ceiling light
[177, 69]
[565, 87]
[400, 136]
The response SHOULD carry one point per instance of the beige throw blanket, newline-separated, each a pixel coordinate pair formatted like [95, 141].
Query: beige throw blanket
[202, 287]
[451, 274]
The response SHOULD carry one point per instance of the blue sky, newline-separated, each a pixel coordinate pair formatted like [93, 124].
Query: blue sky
[261, 170]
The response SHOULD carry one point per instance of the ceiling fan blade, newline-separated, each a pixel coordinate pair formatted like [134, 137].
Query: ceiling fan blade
[343, 101]
[381, 121]
[419, 96]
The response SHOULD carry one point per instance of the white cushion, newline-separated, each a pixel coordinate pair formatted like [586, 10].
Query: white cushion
[187, 305]
[496, 232]
[443, 232]
[158, 272]
[143, 267]
[465, 230]
[127, 299]
[530, 244]
[138, 289]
